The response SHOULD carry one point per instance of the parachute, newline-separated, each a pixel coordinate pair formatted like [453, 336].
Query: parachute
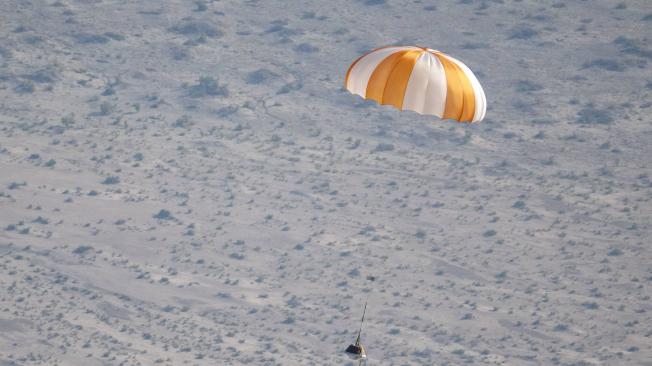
[418, 79]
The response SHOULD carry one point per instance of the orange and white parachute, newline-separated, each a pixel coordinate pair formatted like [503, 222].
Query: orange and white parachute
[418, 79]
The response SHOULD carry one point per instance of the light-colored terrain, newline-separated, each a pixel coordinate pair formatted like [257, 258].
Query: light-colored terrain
[187, 183]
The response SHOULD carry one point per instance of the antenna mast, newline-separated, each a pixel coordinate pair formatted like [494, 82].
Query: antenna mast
[357, 340]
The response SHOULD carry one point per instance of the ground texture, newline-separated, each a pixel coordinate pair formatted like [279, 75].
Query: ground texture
[187, 183]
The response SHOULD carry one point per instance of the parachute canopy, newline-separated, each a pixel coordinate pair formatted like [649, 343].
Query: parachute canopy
[418, 79]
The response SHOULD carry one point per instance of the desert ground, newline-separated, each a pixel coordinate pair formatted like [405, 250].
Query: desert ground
[189, 183]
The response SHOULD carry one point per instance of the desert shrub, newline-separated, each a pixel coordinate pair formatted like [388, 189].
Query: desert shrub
[632, 47]
[68, 120]
[5, 53]
[179, 53]
[383, 147]
[207, 86]
[25, 87]
[604, 64]
[306, 48]
[590, 305]
[200, 6]
[88, 38]
[259, 76]
[32, 40]
[280, 28]
[106, 108]
[474, 45]
[182, 122]
[522, 32]
[163, 215]
[196, 28]
[82, 249]
[227, 111]
[591, 115]
[295, 85]
[560, 328]
[47, 75]
[527, 86]
[375, 2]
[115, 36]
[111, 180]
[519, 204]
